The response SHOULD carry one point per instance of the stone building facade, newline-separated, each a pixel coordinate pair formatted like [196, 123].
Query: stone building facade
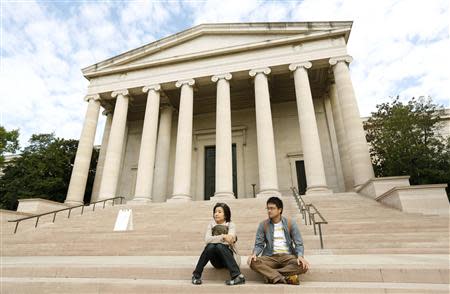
[209, 111]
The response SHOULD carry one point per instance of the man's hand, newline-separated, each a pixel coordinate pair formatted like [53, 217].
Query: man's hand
[228, 238]
[251, 258]
[302, 262]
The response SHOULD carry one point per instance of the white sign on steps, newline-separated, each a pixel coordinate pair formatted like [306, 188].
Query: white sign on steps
[124, 221]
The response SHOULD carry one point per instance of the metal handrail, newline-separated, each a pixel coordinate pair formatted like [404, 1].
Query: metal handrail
[306, 208]
[54, 212]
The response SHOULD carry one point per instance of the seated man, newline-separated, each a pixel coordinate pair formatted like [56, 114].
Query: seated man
[281, 245]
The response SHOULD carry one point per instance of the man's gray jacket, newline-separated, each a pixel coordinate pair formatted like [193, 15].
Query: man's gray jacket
[264, 238]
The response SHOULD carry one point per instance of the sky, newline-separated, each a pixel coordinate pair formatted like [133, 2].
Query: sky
[400, 47]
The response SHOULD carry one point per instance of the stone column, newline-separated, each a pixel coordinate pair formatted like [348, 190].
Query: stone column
[80, 171]
[101, 156]
[162, 154]
[341, 141]
[309, 134]
[113, 159]
[267, 163]
[356, 139]
[144, 178]
[183, 153]
[224, 163]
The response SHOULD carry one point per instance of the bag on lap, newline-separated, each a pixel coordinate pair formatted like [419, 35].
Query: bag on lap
[219, 230]
[223, 230]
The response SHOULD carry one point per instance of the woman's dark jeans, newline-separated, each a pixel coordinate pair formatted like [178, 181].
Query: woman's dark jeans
[220, 256]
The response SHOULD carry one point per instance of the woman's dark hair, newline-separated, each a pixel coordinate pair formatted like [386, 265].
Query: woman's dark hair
[226, 211]
[277, 201]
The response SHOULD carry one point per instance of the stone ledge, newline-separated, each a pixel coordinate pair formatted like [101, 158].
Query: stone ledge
[425, 199]
[378, 186]
[4, 212]
[38, 205]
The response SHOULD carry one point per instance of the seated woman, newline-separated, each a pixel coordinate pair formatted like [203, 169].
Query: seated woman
[220, 235]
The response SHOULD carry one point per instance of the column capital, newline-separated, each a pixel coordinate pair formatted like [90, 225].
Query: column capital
[155, 87]
[295, 66]
[107, 112]
[264, 70]
[95, 97]
[123, 92]
[226, 76]
[346, 58]
[189, 82]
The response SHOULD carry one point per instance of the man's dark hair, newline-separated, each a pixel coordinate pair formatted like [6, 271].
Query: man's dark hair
[277, 201]
[226, 211]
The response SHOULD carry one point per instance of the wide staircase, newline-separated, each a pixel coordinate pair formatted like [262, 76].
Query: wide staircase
[368, 248]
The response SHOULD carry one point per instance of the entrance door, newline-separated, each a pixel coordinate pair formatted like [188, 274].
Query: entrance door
[210, 171]
[301, 176]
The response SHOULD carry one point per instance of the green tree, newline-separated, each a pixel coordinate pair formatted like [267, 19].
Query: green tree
[405, 140]
[42, 171]
[9, 143]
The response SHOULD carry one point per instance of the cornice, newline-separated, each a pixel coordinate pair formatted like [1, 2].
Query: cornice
[118, 63]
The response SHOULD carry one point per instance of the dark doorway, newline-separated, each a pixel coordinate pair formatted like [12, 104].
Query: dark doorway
[301, 176]
[210, 171]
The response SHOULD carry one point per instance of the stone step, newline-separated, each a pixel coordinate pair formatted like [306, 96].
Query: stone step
[123, 245]
[243, 240]
[105, 248]
[108, 219]
[324, 274]
[198, 234]
[195, 225]
[326, 268]
[243, 230]
[93, 251]
[97, 285]
[369, 248]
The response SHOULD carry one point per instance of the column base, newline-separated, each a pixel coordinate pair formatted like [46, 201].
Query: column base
[318, 190]
[73, 202]
[223, 195]
[140, 201]
[268, 193]
[180, 198]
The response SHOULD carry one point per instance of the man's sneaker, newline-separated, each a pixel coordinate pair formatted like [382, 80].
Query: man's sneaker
[236, 281]
[196, 281]
[293, 280]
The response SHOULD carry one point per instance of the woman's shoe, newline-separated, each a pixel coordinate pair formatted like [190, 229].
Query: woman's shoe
[196, 281]
[236, 281]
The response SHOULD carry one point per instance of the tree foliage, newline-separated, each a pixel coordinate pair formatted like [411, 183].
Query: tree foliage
[9, 143]
[42, 171]
[405, 140]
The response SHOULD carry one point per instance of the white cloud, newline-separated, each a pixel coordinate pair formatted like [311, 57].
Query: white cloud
[399, 47]
[44, 49]
[391, 41]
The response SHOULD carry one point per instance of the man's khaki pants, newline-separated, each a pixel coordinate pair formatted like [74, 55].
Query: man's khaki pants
[274, 268]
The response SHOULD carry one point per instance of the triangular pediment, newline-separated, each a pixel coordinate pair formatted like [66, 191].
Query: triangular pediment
[209, 39]
[207, 43]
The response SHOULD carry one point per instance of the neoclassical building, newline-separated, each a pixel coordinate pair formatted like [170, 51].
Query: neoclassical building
[221, 110]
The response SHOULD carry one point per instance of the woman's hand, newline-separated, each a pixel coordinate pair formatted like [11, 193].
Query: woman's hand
[228, 238]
